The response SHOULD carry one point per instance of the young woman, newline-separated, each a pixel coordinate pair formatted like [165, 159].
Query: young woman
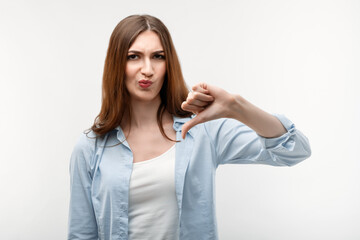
[146, 168]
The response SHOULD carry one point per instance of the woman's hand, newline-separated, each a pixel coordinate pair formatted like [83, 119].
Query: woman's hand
[208, 103]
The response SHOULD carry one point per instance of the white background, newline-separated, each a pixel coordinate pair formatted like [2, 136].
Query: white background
[299, 58]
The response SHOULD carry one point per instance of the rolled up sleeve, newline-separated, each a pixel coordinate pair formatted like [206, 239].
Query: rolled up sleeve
[290, 148]
[236, 143]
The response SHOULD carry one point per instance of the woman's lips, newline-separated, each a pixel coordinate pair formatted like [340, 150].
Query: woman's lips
[145, 83]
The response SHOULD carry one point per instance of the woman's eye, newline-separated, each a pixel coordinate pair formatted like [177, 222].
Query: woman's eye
[159, 56]
[132, 57]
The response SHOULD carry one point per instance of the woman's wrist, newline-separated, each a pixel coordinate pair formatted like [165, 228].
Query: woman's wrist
[236, 107]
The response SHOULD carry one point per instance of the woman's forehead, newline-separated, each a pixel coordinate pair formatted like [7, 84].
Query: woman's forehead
[147, 41]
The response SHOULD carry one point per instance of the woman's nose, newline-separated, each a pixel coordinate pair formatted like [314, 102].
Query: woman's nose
[147, 68]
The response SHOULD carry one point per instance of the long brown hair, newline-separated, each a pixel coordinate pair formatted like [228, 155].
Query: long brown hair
[115, 97]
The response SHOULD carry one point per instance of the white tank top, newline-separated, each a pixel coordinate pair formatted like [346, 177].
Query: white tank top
[153, 210]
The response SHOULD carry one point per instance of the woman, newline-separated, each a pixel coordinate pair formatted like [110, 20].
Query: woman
[146, 169]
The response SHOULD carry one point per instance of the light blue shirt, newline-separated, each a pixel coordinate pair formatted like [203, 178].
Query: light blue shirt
[100, 176]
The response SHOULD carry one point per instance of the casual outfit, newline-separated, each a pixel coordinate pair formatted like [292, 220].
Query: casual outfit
[105, 202]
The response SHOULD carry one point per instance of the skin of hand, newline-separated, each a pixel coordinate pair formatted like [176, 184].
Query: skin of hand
[209, 102]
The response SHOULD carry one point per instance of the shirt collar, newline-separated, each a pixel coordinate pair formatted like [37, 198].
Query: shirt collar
[178, 122]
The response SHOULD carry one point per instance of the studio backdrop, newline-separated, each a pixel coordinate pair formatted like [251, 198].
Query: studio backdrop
[298, 58]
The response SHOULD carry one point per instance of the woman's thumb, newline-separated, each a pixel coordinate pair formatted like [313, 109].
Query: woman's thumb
[189, 124]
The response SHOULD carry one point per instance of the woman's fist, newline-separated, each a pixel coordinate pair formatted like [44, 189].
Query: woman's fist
[208, 103]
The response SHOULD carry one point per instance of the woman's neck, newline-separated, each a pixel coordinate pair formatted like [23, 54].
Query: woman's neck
[144, 114]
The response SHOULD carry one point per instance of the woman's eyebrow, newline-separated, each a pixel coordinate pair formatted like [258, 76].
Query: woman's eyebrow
[139, 52]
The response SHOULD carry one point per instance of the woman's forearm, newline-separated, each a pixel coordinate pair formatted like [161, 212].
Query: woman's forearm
[263, 123]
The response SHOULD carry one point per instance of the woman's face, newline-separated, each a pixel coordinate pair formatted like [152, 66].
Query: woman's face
[145, 67]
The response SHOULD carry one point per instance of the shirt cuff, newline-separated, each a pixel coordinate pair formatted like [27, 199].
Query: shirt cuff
[283, 143]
